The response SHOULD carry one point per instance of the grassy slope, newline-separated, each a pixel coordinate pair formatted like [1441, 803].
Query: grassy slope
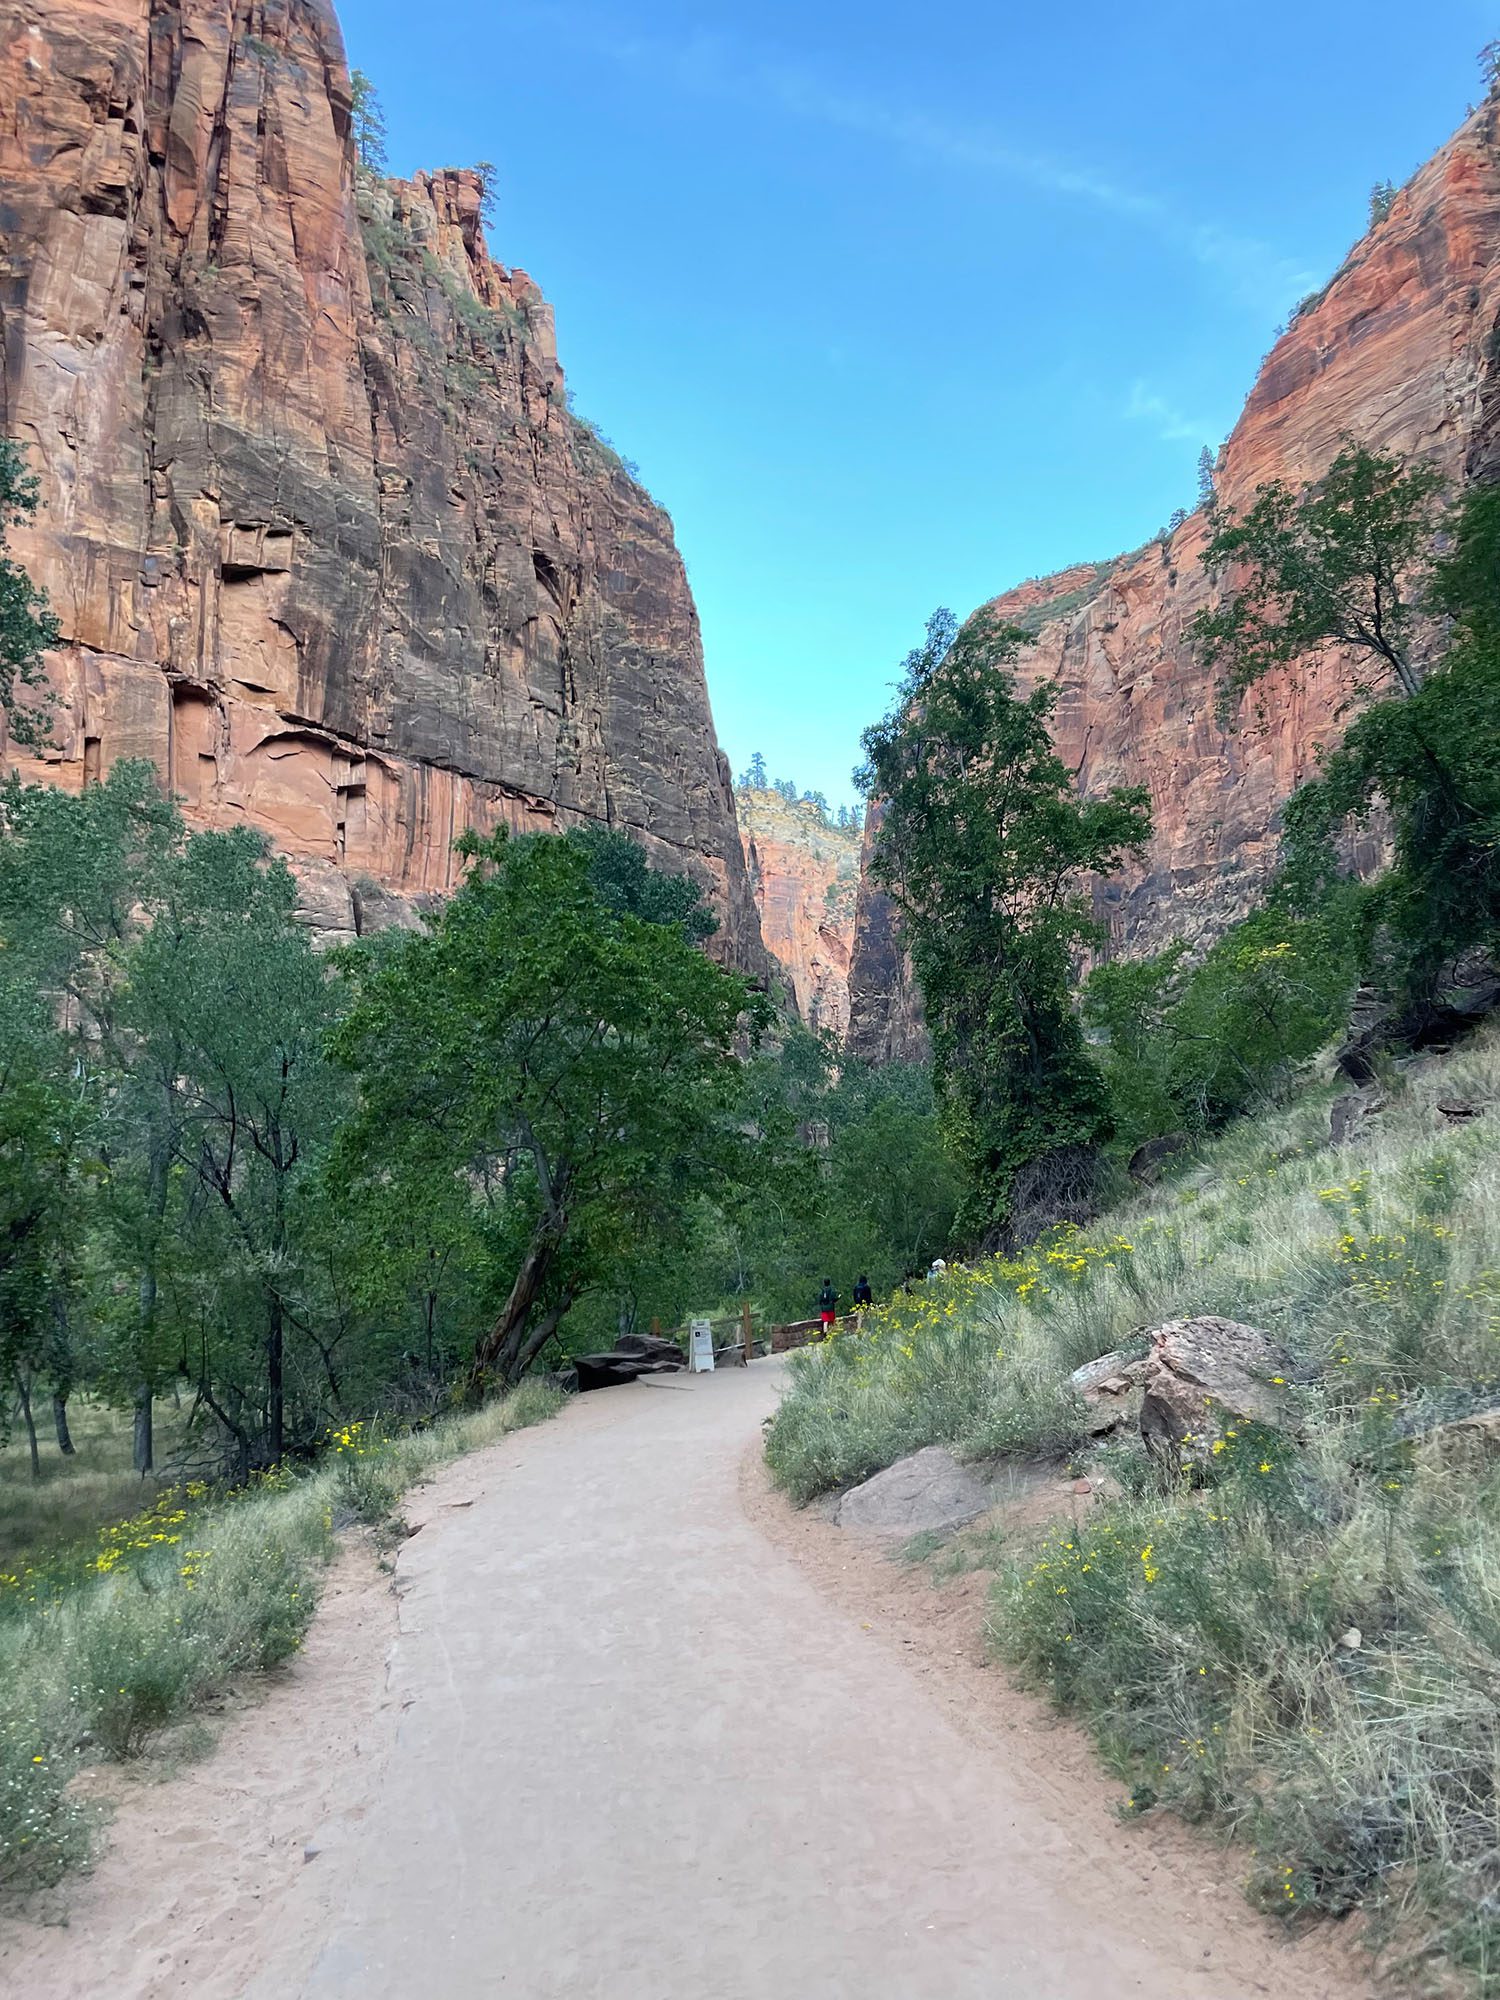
[74, 1496]
[105, 1647]
[1199, 1632]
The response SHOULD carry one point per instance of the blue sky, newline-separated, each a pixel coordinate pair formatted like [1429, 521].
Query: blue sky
[895, 306]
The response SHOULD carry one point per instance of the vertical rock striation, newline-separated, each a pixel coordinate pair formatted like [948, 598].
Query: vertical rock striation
[325, 541]
[804, 874]
[1400, 351]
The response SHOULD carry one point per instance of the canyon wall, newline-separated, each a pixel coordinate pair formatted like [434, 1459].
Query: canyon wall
[804, 875]
[325, 541]
[1400, 351]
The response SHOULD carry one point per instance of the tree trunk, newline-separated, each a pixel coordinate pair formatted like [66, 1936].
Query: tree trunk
[143, 1449]
[496, 1353]
[60, 1419]
[275, 1357]
[538, 1337]
[26, 1412]
[143, 1456]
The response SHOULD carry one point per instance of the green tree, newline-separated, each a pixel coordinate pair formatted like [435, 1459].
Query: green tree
[1338, 562]
[77, 878]
[227, 1009]
[27, 626]
[1189, 1047]
[1382, 201]
[572, 1064]
[989, 853]
[44, 1121]
[626, 883]
[1429, 764]
[369, 124]
[1206, 478]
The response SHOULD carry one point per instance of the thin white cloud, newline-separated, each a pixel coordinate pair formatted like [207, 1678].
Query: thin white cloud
[1146, 406]
[711, 63]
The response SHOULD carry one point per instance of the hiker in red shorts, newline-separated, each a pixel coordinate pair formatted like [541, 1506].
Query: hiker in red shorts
[828, 1303]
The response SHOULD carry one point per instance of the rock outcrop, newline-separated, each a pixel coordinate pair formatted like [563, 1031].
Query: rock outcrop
[324, 538]
[926, 1492]
[1399, 351]
[804, 876]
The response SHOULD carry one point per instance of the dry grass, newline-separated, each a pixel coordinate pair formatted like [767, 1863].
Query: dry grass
[1199, 1631]
[75, 1496]
[107, 1644]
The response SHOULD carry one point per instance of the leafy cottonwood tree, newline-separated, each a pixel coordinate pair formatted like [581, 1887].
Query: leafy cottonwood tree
[1349, 561]
[1338, 562]
[43, 1124]
[76, 877]
[27, 627]
[1187, 1047]
[227, 1009]
[571, 1063]
[192, 1012]
[1428, 762]
[987, 850]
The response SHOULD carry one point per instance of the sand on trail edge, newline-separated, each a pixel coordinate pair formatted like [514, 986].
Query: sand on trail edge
[1177, 1879]
[230, 1865]
[230, 1871]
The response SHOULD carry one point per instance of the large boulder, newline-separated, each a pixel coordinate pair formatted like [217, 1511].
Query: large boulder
[1201, 1373]
[633, 1355]
[1110, 1390]
[926, 1491]
[1467, 992]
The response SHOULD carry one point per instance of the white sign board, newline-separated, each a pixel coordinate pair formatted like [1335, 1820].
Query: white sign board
[701, 1347]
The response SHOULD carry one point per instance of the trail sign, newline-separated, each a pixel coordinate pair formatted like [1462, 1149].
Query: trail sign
[701, 1346]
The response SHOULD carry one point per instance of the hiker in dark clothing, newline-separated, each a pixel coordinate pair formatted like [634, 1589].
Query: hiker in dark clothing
[863, 1296]
[828, 1301]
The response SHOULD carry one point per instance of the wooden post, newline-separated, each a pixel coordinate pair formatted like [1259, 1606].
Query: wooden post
[748, 1331]
[656, 1329]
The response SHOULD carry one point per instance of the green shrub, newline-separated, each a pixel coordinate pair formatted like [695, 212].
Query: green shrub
[139, 1662]
[368, 1485]
[1306, 1650]
[115, 1643]
[43, 1830]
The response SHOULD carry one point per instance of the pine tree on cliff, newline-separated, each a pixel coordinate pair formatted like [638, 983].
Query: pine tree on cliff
[27, 627]
[1206, 487]
[369, 124]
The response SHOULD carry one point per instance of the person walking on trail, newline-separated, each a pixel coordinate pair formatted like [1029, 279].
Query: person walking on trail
[828, 1304]
[863, 1296]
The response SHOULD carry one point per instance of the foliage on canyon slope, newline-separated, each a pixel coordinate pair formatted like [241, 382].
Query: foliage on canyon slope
[987, 851]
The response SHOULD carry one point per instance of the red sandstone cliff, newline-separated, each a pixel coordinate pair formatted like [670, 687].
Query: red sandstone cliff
[325, 542]
[1400, 352]
[803, 875]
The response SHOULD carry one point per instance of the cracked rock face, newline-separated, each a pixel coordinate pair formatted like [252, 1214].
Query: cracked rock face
[325, 542]
[1398, 352]
[803, 876]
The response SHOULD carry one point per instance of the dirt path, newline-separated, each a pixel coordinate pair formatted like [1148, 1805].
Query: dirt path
[627, 1744]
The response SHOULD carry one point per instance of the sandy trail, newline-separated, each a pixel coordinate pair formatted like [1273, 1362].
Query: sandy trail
[627, 1746]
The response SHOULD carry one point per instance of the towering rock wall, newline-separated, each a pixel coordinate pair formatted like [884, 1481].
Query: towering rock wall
[1400, 352]
[804, 876]
[325, 542]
